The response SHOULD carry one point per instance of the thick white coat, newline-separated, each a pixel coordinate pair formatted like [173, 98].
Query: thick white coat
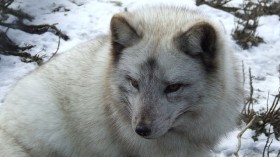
[66, 107]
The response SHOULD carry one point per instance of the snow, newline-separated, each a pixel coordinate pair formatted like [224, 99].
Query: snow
[89, 18]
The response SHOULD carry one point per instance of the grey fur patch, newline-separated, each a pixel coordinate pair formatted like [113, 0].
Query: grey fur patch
[149, 67]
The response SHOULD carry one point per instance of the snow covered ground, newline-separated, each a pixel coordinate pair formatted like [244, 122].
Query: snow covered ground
[89, 18]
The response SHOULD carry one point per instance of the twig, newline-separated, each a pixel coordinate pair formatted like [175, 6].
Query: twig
[241, 133]
[272, 109]
[56, 49]
[267, 102]
[266, 146]
[8, 47]
[218, 5]
[251, 89]
[249, 103]
[36, 29]
[57, 46]
[243, 75]
[279, 79]
[6, 3]
[18, 13]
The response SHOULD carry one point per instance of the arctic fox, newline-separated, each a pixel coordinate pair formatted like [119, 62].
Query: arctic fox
[162, 83]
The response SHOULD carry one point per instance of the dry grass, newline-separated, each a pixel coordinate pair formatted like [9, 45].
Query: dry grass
[270, 117]
[248, 14]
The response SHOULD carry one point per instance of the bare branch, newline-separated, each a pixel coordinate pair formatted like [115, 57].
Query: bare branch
[36, 29]
[241, 133]
[58, 44]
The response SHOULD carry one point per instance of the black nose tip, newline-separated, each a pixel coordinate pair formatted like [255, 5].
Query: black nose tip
[143, 130]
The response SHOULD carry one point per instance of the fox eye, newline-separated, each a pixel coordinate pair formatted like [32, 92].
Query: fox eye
[173, 88]
[134, 83]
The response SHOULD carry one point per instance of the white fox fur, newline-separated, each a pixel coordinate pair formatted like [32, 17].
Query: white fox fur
[165, 69]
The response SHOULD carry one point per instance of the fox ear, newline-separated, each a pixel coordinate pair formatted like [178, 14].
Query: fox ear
[122, 34]
[199, 41]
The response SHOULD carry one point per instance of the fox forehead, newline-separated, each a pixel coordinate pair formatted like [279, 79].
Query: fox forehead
[164, 66]
[162, 21]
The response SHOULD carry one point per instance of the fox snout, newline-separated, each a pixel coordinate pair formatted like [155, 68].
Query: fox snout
[150, 121]
[151, 128]
[150, 125]
[143, 130]
[143, 126]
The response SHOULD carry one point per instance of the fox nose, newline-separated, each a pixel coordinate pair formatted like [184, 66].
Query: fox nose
[143, 130]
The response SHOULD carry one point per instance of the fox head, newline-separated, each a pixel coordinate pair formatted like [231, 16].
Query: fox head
[162, 61]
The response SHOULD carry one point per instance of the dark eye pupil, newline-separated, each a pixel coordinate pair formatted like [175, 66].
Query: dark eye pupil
[134, 83]
[173, 88]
